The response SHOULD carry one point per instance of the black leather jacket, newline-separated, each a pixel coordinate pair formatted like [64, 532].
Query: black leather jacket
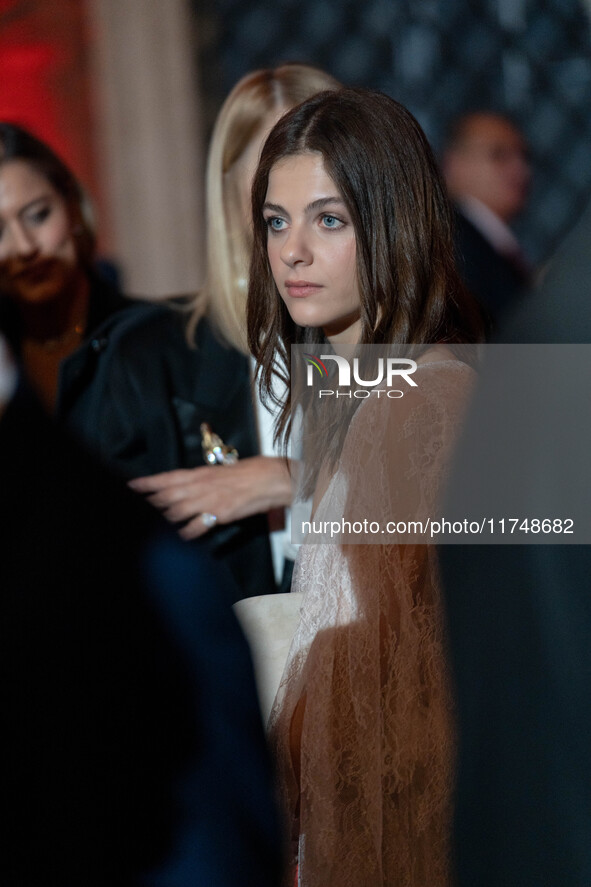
[136, 393]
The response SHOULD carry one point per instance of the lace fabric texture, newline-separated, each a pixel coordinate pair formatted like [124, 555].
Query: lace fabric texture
[371, 803]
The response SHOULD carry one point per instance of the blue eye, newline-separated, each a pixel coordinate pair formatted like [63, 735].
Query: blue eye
[329, 221]
[275, 223]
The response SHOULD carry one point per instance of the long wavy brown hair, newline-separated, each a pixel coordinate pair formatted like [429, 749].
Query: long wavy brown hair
[381, 162]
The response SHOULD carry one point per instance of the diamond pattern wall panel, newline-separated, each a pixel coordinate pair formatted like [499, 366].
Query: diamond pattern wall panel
[528, 58]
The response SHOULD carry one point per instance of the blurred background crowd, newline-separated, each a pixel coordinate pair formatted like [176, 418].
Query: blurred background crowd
[127, 93]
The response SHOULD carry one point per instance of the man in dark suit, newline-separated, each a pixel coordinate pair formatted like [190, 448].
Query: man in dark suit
[133, 747]
[486, 166]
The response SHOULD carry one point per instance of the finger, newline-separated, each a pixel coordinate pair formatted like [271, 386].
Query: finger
[167, 498]
[155, 482]
[186, 509]
[194, 529]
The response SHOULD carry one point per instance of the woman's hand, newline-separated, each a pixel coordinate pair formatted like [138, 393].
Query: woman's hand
[219, 493]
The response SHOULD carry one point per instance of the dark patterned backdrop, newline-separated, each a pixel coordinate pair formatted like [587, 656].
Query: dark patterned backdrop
[530, 58]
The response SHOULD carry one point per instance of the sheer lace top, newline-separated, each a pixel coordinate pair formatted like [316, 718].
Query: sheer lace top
[366, 667]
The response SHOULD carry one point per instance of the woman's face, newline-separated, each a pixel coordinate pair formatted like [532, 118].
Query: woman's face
[311, 247]
[37, 249]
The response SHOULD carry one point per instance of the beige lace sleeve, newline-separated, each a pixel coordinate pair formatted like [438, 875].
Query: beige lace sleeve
[363, 710]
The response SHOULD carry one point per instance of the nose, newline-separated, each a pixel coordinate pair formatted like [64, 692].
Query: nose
[20, 241]
[519, 173]
[295, 248]
[525, 167]
[518, 161]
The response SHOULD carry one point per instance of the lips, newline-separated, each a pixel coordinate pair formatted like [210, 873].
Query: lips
[30, 272]
[33, 274]
[39, 280]
[299, 289]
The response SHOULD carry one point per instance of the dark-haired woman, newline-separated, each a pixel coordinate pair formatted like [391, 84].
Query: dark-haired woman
[51, 297]
[118, 373]
[352, 246]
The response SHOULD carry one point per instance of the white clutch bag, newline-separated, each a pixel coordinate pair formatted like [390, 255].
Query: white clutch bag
[269, 622]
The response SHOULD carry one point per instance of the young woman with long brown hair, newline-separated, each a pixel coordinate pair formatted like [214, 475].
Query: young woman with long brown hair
[352, 247]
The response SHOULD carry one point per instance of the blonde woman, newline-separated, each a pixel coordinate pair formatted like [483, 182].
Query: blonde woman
[260, 484]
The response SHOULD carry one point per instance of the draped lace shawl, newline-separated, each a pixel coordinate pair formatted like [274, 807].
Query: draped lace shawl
[367, 662]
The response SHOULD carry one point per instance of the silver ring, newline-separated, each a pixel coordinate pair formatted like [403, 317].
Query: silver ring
[210, 520]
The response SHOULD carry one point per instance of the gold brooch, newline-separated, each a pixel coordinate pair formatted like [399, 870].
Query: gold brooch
[215, 451]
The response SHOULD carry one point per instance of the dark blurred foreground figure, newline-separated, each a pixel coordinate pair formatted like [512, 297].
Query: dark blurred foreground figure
[520, 620]
[51, 297]
[487, 171]
[134, 751]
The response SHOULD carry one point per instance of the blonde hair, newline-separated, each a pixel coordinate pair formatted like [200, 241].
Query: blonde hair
[246, 109]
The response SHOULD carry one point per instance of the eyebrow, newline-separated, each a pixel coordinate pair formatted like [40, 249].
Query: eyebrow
[314, 205]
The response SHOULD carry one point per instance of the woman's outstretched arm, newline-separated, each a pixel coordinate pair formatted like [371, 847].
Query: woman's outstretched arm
[254, 485]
